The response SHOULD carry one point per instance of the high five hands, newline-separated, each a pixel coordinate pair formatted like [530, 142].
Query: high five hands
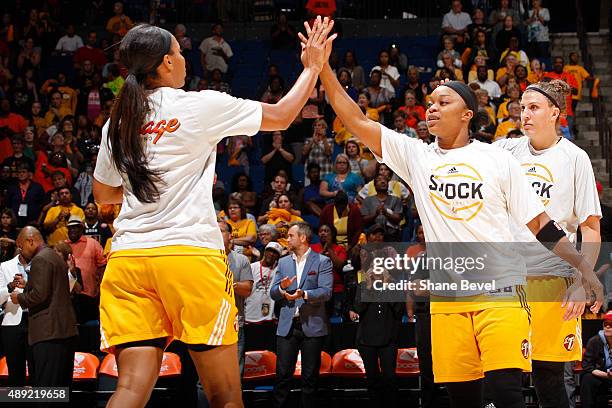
[317, 47]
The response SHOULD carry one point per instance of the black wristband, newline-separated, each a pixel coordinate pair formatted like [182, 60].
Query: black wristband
[9, 288]
[550, 234]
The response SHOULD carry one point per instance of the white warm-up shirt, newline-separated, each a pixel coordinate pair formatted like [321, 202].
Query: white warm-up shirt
[181, 136]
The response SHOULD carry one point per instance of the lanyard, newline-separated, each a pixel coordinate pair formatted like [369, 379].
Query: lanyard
[266, 283]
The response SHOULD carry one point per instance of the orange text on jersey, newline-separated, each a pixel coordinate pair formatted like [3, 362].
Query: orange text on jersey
[160, 128]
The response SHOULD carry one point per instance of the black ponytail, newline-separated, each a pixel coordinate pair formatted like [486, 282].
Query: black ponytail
[142, 50]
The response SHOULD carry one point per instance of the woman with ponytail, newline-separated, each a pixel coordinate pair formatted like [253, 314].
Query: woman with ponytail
[167, 276]
[561, 174]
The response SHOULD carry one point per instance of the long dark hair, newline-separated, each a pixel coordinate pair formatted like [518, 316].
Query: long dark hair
[142, 50]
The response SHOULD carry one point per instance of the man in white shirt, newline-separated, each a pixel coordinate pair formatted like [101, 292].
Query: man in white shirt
[70, 42]
[485, 83]
[215, 52]
[456, 21]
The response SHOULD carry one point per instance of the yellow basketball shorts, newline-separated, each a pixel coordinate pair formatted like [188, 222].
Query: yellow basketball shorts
[553, 338]
[466, 345]
[177, 292]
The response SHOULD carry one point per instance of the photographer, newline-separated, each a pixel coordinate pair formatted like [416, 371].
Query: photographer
[596, 378]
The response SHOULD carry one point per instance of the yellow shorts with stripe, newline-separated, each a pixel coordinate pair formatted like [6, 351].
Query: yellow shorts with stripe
[466, 344]
[553, 338]
[177, 292]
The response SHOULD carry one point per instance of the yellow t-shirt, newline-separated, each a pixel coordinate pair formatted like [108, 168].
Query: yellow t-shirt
[242, 228]
[505, 127]
[282, 231]
[580, 74]
[502, 111]
[61, 231]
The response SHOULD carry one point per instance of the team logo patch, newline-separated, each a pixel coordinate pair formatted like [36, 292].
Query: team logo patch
[541, 179]
[569, 342]
[525, 349]
[455, 189]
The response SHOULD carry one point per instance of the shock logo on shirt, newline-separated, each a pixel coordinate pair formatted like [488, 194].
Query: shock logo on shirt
[541, 179]
[455, 189]
[569, 342]
[158, 129]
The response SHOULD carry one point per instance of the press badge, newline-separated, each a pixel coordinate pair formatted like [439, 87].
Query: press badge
[23, 210]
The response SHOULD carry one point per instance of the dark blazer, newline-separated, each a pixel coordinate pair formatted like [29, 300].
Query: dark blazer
[379, 322]
[47, 296]
[594, 357]
[317, 280]
[34, 198]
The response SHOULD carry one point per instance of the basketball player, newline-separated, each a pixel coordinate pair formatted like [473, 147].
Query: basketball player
[489, 338]
[167, 277]
[561, 174]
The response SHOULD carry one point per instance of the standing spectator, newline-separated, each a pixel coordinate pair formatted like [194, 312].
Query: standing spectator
[259, 306]
[377, 338]
[240, 266]
[14, 329]
[318, 148]
[342, 179]
[498, 16]
[384, 209]
[275, 90]
[380, 98]
[90, 52]
[358, 165]
[414, 84]
[70, 42]
[356, 70]
[84, 185]
[88, 254]
[25, 197]
[56, 220]
[479, 47]
[456, 21]
[344, 77]
[30, 55]
[313, 202]
[18, 157]
[302, 285]
[114, 80]
[52, 324]
[277, 157]
[215, 52]
[345, 217]
[389, 73]
[119, 24]
[558, 73]
[14, 121]
[241, 183]
[537, 30]
[502, 38]
[596, 376]
[397, 58]
[478, 24]
[485, 83]
[94, 227]
[283, 34]
[580, 74]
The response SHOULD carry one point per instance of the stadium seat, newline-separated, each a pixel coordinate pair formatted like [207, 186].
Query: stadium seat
[348, 363]
[324, 371]
[170, 367]
[85, 367]
[3, 369]
[109, 366]
[259, 365]
[407, 362]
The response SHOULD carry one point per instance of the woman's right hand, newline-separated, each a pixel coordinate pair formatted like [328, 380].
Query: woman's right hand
[314, 48]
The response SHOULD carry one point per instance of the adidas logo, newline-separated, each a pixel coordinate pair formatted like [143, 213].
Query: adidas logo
[453, 170]
[531, 170]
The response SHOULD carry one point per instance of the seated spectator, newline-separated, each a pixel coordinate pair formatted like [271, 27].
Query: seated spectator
[389, 74]
[485, 83]
[313, 202]
[448, 65]
[90, 52]
[414, 113]
[513, 121]
[342, 179]
[337, 254]
[520, 76]
[259, 306]
[45, 171]
[265, 234]
[503, 36]
[69, 94]
[14, 121]
[276, 157]
[275, 91]
[36, 118]
[505, 73]
[478, 48]
[279, 185]
[344, 77]
[29, 138]
[84, 185]
[25, 197]
[513, 94]
[29, 56]
[483, 103]
[70, 42]
[449, 46]
[397, 58]
[94, 227]
[415, 85]
[216, 82]
[396, 188]
[18, 157]
[215, 52]
[596, 376]
[358, 164]
[180, 33]
[57, 111]
[244, 230]
[363, 100]
[345, 217]
[383, 209]
[399, 122]
[281, 215]
[456, 21]
[514, 47]
[497, 18]
[242, 184]
[478, 24]
[350, 63]
[483, 128]
[114, 80]
[237, 148]
[8, 236]
[56, 220]
[423, 133]
[580, 75]
[283, 34]
[318, 148]
[537, 30]
[380, 98]
[119, 24]
[419, 246]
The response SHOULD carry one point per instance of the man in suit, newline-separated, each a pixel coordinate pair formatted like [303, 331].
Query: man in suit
[302, 285]
[52, 327]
